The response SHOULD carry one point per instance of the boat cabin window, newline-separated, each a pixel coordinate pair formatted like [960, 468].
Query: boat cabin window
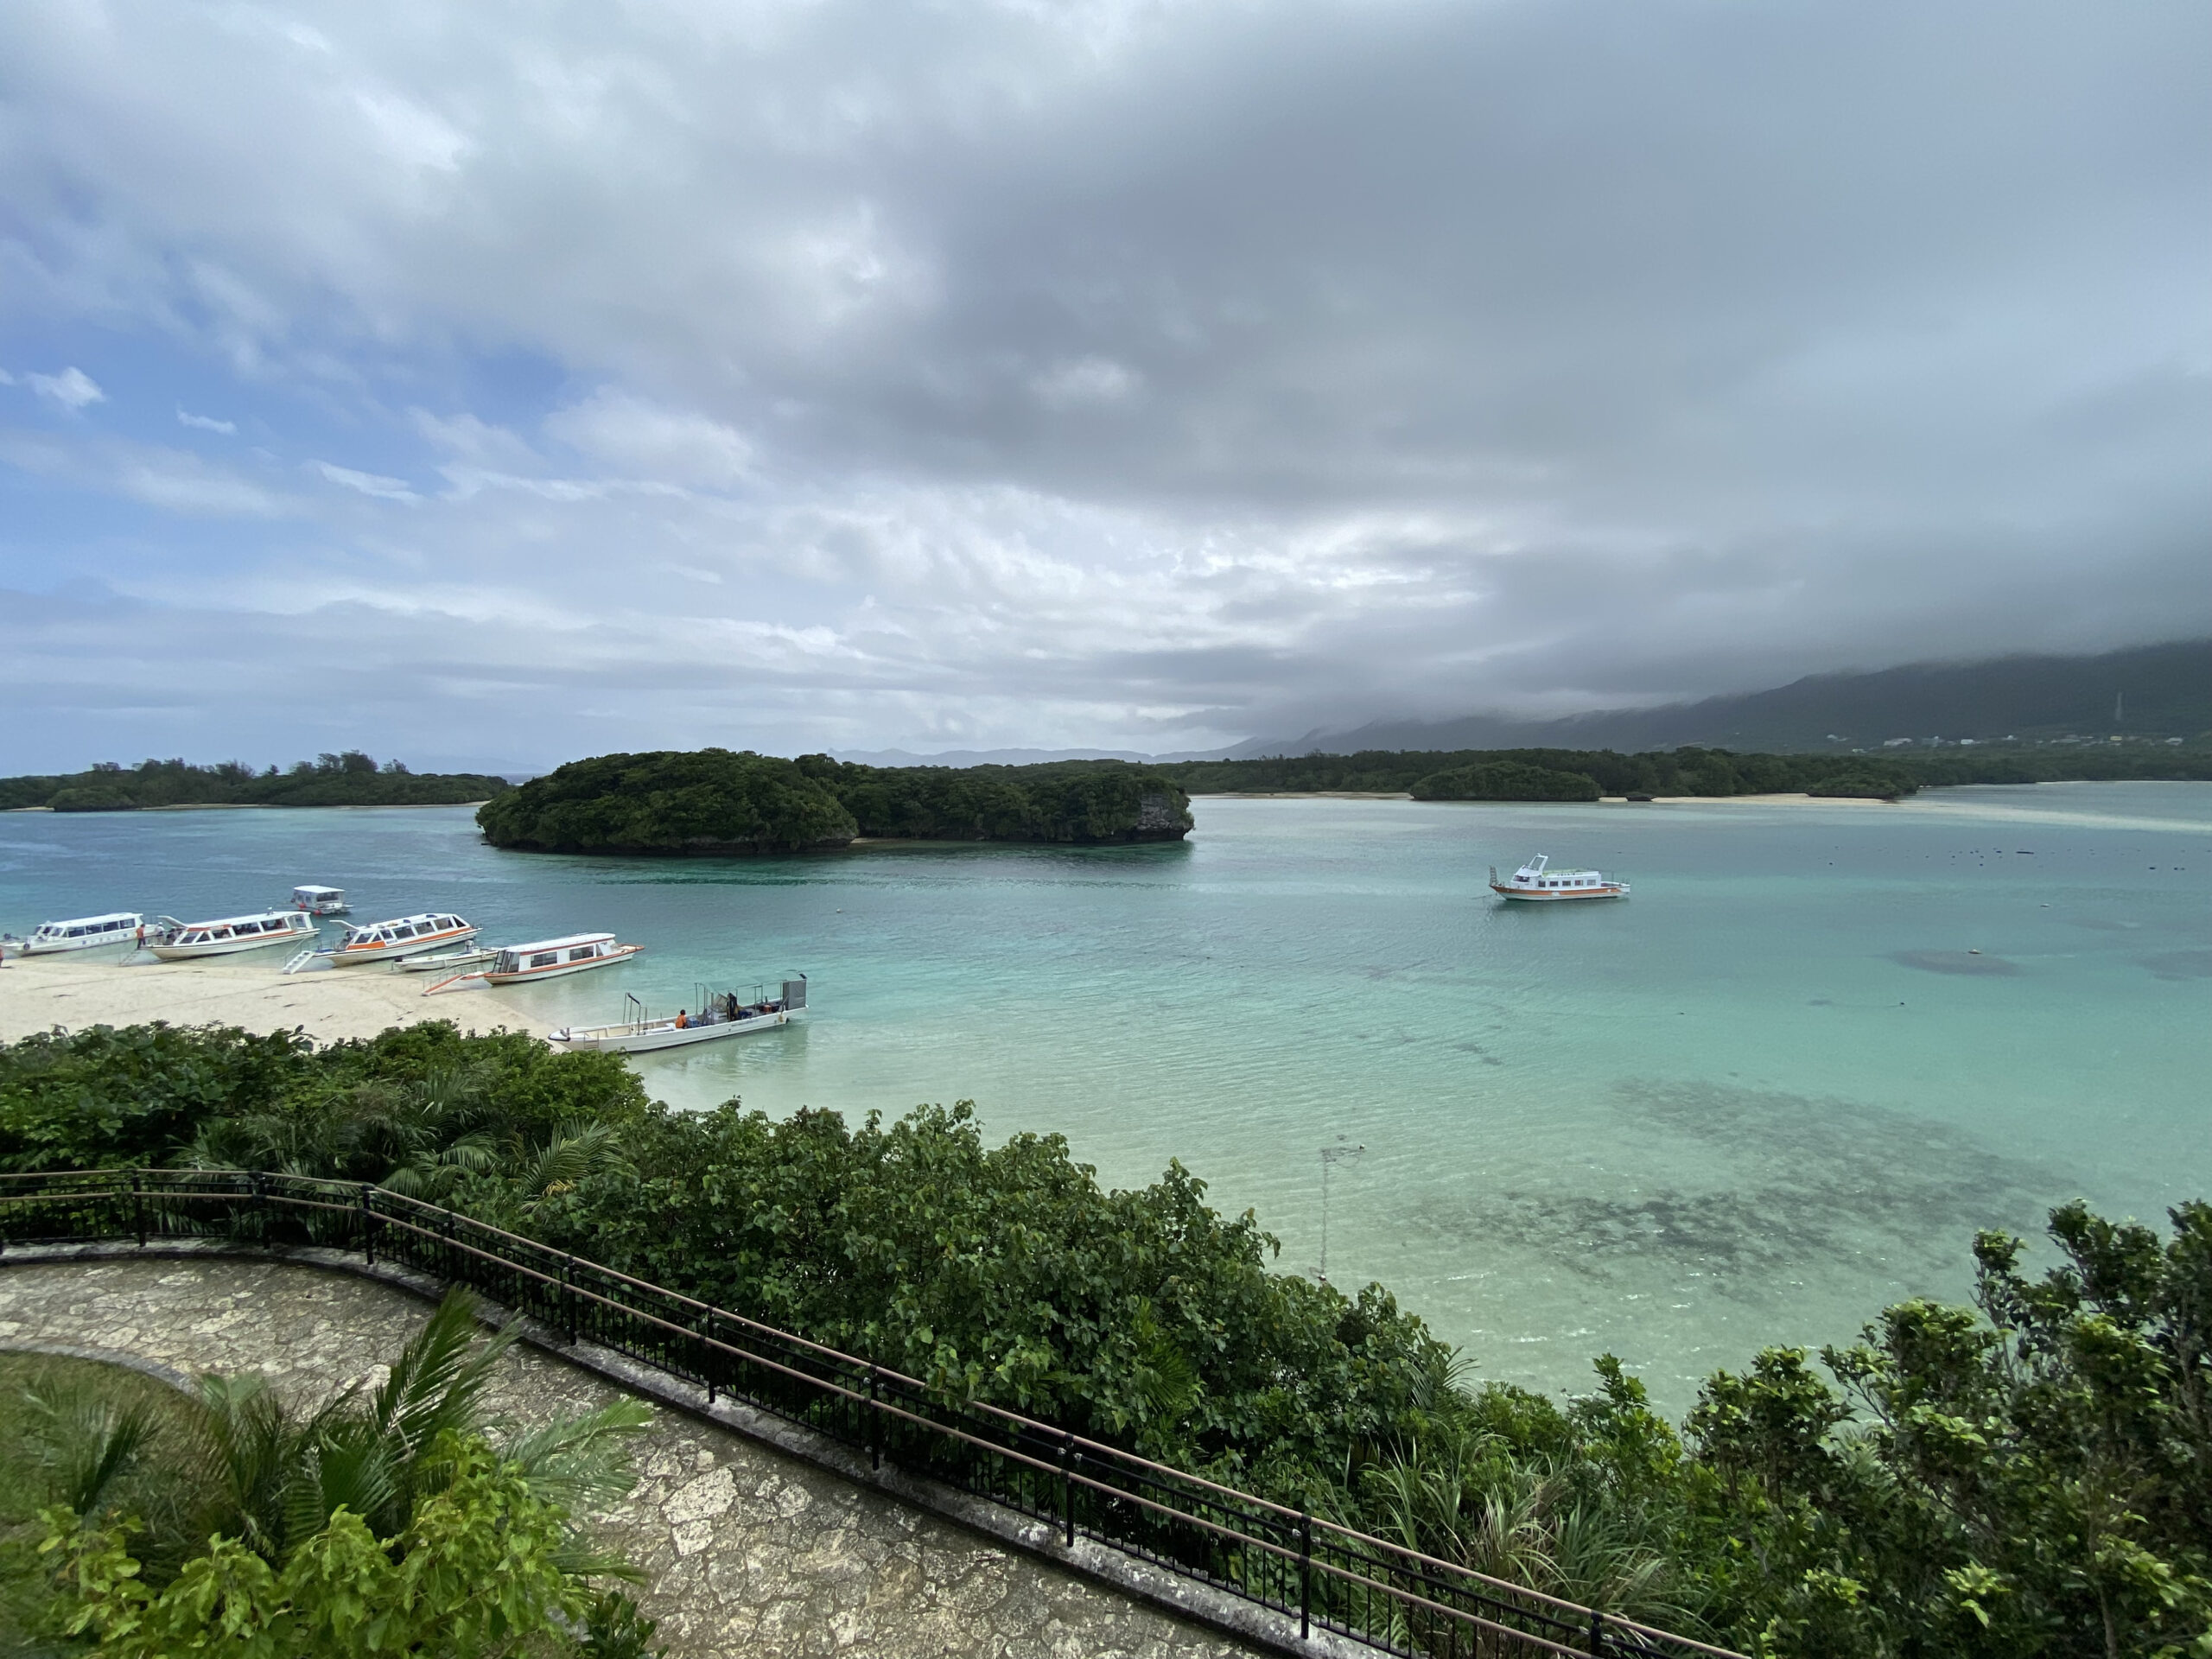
[583, 953]
[545, 959]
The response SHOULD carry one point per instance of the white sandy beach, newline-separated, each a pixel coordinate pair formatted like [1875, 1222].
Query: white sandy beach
[37, 992]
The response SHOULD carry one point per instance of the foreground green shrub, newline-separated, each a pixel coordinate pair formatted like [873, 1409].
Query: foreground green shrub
[390, 1522]
[2029, 1476]
[478, 1571]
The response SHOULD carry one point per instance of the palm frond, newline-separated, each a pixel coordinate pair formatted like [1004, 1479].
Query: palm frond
[576, 1152]
[438, 1378]
[581, 1462]
[86, 1444]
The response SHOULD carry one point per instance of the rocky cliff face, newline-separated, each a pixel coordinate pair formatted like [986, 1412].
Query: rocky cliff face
[1162, 818]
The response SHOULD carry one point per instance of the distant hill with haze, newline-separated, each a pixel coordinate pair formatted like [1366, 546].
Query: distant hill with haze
[2149, 691]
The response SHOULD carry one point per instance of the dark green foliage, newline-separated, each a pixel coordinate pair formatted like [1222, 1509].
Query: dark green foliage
[134, 1094]
[1855, 785]
[2030, 1477]
[256, 1527]
[349, 779]
[1505, 780]
[391, 1108]
[714, 801]
[1711, 772]
[710, 800]
[1007, 1273]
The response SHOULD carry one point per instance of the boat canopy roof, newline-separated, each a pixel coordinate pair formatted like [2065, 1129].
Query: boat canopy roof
[1539, 868]
[310, 891]
[444, 917]
[566, 942]
[116, 918]
[283, 916]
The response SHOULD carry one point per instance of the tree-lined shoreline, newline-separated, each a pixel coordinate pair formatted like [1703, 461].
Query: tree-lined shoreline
[347, 778]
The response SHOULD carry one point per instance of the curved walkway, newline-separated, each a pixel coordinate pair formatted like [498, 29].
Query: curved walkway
[746, 1551]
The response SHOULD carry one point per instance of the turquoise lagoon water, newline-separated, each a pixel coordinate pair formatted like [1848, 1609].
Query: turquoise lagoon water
[1765, 1097]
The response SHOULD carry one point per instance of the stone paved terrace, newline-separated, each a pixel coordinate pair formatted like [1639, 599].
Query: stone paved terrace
[747, 1551]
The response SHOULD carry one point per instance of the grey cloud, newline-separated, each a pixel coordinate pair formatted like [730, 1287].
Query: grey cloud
[1113, 370]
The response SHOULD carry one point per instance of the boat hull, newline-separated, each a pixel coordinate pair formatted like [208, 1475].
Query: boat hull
[56, 947]
[1526, 896]
[657, 1034]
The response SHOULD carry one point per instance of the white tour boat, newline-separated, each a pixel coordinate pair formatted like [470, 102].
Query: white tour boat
[446, 961]
[81, 933]
[723, 1014]
[403, 936]
[517, 965]
[182, 941]
[321, 901]
[1537, 881]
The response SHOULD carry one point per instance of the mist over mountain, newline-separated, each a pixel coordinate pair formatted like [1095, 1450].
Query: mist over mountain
[2150, 691]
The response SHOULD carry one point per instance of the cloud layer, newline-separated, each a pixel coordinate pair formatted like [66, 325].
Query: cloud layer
[1142, 375]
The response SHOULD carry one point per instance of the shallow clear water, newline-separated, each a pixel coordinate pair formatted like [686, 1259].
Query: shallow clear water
[1764, 1096]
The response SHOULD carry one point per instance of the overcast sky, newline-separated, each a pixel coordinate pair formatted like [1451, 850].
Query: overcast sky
[491, 384]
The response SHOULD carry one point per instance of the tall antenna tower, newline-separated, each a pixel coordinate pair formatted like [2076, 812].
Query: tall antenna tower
[1331, 1157]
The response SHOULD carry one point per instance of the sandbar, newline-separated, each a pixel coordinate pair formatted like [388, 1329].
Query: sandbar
[1797, 800]
[94, 989]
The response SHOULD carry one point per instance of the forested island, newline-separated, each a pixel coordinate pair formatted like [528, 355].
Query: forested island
[720, 801]
[1588, 774]
[2030, 1476]
[349, 779]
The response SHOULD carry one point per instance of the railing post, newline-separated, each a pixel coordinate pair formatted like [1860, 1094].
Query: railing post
[706, 1357]
[368, 1229]
[875, 1417]
[1596, 1633]
[1305, 1575]
[568, 1298]
[138, 1209]
[1067, 1490]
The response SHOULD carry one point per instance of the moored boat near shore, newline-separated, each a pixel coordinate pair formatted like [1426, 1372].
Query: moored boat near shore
[721, 1014]
[321, 901]
[1537, 882]
[79, 933]
[446, 960]
[574, 953]
[403, 936]
[229, 934]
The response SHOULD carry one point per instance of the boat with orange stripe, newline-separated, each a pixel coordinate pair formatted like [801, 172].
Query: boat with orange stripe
[574, 953]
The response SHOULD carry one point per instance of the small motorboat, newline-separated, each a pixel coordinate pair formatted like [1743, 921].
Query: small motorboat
[517, 964]
[182, 941]
[321, 901]
[79, 933]
[1538, 882]
[443, 960]
[720, 1014]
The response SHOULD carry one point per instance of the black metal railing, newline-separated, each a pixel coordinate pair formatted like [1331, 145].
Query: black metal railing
[1326, 1576]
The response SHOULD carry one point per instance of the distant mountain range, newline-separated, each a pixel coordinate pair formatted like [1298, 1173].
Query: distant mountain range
[2149, 691]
